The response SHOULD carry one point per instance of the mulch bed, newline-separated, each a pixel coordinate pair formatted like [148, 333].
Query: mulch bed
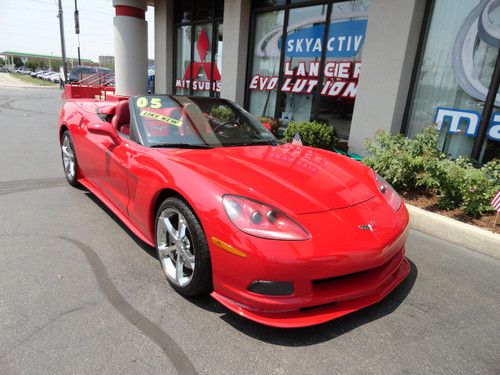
[429, 203]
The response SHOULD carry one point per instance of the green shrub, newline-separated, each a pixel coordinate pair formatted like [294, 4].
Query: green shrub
[312, 133]
[450, 178]
[403, 162]
[222, 113]
[492, 171]
[417, 163]
[477, 192]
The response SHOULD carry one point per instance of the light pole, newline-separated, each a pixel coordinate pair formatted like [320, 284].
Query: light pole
[77, 30]
[63, 45]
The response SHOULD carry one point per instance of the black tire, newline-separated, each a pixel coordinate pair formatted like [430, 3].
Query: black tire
[67, 141]
[201, 277]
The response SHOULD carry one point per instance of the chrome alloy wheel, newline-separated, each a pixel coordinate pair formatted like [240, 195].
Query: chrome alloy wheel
[174, 247]
[68, 155]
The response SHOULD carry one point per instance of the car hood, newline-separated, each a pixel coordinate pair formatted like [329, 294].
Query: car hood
[294, 178]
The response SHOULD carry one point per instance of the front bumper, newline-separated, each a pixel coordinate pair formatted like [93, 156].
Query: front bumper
[339, 270]
[377, 283]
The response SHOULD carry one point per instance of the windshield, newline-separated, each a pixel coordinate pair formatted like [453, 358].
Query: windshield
[104, 71]
[196, 122]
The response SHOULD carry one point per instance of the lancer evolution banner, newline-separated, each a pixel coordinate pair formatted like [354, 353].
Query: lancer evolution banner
[303, 49]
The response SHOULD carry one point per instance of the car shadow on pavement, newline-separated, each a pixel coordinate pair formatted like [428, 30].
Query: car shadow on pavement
[330, 330]
[143, 245]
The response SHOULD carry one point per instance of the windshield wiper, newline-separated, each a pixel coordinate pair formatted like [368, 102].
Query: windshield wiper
[179, 145]
[253, 143]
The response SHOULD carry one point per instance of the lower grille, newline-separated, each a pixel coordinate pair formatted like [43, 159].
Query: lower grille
[355, 285]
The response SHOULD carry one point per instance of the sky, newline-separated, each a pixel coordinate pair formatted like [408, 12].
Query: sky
[32, 26]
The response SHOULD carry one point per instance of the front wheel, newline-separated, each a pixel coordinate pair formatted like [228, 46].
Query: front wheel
[182, 248]
[68, 154]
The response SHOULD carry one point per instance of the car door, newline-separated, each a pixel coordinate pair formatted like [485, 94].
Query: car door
[104, 164]
[111, 169]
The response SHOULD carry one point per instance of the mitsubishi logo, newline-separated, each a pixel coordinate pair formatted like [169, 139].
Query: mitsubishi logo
[202, 48]
[370, 226]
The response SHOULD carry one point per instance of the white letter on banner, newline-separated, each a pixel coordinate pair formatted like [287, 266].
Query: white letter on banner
[494, 130]
[456, 116]
[253, 82]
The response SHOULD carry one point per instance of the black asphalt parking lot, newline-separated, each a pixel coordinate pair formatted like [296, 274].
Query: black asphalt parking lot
[80, 294]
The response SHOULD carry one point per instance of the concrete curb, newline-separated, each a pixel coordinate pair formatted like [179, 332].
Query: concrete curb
[454, 231]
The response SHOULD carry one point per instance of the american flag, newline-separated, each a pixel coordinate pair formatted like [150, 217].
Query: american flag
[296, 140]
[495, 202]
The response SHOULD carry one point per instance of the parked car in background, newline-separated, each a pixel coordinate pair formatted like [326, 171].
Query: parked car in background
[53, 77]
[42, 73]
[36, 72]
[10, 68]
[23, 70]
[81, 72]
[45, 75]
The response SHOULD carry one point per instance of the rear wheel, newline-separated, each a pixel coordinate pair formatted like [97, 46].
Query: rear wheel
[68, 154]
[182, 248]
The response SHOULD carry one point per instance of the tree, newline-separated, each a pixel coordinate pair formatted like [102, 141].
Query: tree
[2, 62]
[56, 65]
[31, 65]
[18, 62]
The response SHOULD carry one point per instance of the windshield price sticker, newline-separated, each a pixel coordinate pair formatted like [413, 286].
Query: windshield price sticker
[157, 116]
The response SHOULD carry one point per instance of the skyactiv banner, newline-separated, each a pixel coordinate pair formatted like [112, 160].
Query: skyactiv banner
[345, 39]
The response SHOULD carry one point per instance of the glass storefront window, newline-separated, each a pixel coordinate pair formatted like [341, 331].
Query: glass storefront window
[343, 64]
[196, 10]
[265, 63]
[491, 148]
[306, 90]
[202, 61]
[219, 43]
[454, 76]
[267, 3]
[302, 60]
[183, 11]
[198, 47]
[183, 53]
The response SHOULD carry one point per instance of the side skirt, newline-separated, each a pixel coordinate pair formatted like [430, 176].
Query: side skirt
[94, 190]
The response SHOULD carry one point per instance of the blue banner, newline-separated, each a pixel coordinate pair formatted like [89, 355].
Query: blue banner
[345, 39]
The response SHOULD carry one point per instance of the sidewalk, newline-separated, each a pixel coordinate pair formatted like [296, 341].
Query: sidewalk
[8, 81]
[454, 231]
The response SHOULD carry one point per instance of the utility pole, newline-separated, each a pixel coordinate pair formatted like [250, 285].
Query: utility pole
[63, 45]
[77, 30]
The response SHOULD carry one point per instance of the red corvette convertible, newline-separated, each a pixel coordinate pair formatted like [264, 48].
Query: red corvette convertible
[285, 235]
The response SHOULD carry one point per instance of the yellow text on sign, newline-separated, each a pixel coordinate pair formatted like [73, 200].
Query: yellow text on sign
[143, 102]
[157, 116]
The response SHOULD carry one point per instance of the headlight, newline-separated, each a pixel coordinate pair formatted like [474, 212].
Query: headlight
[260, 220]
[390, 195]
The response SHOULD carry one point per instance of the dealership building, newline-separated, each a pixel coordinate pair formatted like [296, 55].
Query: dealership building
[359, 65]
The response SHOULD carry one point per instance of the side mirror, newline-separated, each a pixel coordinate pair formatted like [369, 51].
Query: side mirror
[105, 128]
[267, 126]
